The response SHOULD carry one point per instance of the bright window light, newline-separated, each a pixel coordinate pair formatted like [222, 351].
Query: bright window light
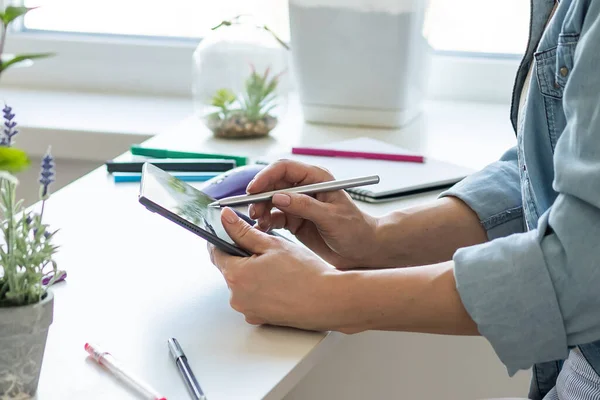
[479, 26]
[175, 18]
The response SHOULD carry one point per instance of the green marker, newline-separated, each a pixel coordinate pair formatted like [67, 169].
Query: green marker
[138, 150]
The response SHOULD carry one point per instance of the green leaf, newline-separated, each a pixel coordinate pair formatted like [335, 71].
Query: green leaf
[13, 160]
[223, 98]
[11, 178]
[11, 13]
[22, 58]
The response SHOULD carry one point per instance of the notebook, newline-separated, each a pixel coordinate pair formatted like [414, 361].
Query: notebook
[396, 178]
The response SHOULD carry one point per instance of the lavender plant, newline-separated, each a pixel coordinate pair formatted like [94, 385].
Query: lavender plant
[27, 267]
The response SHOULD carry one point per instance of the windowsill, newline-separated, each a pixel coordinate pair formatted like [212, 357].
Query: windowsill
[97, 127]
[89, 126]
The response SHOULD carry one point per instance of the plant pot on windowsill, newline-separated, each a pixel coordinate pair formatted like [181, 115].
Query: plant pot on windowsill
[23, 333]
[240, 79]
[240, 125]
[359, 62]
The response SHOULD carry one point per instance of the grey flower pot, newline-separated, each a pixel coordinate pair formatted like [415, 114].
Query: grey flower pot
[23, 333]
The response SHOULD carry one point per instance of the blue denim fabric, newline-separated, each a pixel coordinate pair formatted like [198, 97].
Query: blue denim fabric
[534, 288]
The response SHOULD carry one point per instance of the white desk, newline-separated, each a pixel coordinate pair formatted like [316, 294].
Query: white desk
[135, 279]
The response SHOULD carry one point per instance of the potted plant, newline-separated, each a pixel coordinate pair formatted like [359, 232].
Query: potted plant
[7, 17]
[240, 87]
[250, 113]
[27, 270]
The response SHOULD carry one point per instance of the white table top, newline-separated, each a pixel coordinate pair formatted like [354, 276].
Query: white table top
[135, 279]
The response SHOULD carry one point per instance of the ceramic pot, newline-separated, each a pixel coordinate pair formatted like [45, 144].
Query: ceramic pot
[23, 333]
[359, 62]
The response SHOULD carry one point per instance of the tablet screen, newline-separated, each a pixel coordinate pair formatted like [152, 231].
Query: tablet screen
[181, 199]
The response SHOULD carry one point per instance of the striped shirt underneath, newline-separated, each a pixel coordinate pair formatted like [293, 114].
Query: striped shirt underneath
[576, 381]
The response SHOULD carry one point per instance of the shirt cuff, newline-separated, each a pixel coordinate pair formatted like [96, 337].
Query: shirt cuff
[494, 194]
[507, 290]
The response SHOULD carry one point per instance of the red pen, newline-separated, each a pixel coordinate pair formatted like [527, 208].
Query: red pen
[308, 151]
[108, 361]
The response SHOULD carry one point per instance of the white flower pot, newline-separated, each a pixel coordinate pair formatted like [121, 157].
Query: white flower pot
[23, 333]
[359, 62]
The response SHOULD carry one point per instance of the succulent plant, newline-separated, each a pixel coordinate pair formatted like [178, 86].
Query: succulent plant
[249, 113]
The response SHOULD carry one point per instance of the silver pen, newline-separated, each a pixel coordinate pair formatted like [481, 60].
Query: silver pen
[185, 370]
[306, 189]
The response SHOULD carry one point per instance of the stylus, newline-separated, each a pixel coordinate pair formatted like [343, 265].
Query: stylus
[306, 189]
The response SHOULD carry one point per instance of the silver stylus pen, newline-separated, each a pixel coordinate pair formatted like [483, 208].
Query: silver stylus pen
[185, 370]
[306, 189]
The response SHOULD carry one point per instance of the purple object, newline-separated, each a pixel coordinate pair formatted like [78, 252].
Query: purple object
[62, 275]
[232, 182]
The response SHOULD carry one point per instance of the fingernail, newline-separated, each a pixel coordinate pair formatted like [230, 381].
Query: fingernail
[229, 215]
[252, 211]
[264, 226]
[249, 185]
[281, 199]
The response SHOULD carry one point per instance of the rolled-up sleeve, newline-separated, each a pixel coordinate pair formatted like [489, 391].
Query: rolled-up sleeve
[535, 294]
[494, 193]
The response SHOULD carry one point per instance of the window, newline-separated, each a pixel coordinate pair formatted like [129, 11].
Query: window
[146, 46]
[457, 25]
[477, 26]
[175, 18]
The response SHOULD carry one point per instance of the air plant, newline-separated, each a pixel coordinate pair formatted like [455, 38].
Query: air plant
[251, 111]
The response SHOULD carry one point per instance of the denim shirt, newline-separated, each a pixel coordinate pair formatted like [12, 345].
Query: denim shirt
[534, 288]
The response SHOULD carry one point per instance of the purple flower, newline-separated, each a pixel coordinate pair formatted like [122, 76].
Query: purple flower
[62, 275]
[47, 174]
[9, 126]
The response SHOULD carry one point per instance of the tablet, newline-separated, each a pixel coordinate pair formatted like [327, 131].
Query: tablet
[187, 206]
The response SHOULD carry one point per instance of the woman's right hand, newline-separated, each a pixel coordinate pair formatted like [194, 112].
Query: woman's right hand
[330, 224]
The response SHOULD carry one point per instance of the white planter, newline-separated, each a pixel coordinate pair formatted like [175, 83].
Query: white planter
[359, 62]
[23, 333]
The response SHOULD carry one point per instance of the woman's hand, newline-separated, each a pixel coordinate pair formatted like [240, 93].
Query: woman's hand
[329, 223]
[282, 283]
[285, 284]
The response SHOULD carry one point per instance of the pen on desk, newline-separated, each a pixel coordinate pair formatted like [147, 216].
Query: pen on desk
[185, 370]
[162, 153]
[123, 177]
[308, 151]
[306, 189]
[189, 165]
[107, 360]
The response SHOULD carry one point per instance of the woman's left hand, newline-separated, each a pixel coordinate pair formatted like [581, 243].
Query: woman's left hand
[282, 283]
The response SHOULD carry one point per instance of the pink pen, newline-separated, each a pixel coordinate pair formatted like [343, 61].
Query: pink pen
[107, 360]
[309, 151]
